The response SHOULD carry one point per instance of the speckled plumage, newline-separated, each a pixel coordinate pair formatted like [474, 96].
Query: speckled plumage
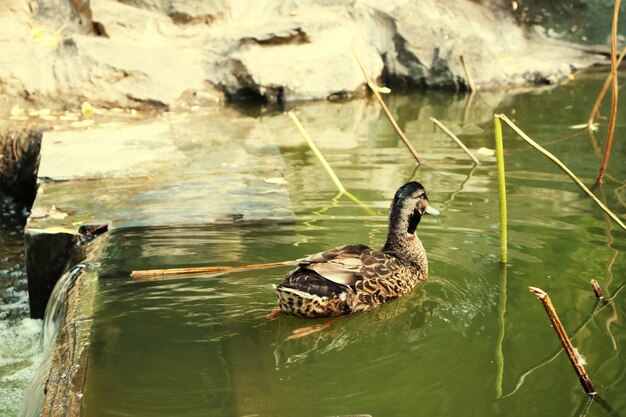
[353, 278]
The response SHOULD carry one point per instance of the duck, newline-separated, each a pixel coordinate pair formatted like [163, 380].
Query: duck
[353, 278]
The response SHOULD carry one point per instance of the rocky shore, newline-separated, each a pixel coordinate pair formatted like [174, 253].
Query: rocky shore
[168, 54]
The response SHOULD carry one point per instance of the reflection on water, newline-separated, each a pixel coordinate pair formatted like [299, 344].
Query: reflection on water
[203, 346]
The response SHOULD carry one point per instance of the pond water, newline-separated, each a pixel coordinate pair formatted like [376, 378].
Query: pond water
[471, 341]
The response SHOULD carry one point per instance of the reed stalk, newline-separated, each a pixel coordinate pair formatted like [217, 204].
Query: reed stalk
[614, 96]
[501, 189]
[597, 290]
[376, 91]
[596, 107]
[452, 136]
[563, 167]
[317, 152]
[161, 274]
[468, 76]
[501, 331]
[326, 165]
[572, 354]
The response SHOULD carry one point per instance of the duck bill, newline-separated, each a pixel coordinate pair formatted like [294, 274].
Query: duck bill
[432, 211]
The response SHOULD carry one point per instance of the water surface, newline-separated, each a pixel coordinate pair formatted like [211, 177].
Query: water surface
[472, 341]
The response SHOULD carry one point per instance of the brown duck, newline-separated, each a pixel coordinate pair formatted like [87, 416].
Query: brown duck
[355, 278]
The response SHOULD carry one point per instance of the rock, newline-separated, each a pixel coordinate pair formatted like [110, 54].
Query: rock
[19, 160]
[75, 15]
[168, 54]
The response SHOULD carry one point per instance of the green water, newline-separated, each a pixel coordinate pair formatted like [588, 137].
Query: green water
[462, 344]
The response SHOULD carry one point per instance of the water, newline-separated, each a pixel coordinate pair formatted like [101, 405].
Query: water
[20, 347]
[472, 341]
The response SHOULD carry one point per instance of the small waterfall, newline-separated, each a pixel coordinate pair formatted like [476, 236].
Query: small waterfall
[54, 320]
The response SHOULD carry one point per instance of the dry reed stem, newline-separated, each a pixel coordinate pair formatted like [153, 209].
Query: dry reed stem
[158, 274]
[560, 164]
[614, 97]
[468, 76]
[574, 357]
[375, 90]
[317, 152]
[455, 139]
[597, 290]
[326, 165]
[603, 90]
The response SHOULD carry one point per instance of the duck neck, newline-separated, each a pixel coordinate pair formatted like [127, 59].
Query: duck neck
[403, 243]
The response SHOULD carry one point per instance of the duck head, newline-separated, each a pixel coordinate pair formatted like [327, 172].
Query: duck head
[409, 205]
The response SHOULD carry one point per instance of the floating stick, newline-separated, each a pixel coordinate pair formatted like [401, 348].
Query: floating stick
[501, 189]
[614, 96]
[455, 139]
[375, 89]
[562, 166]
[159, 274]
[575, 359]
[470, 82]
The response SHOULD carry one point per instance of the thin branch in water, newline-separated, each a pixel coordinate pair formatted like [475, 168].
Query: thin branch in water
[596, 107]
[614, 96]
[455, 139]
[376, 90]
[501, 189]
[574, 357]
[468, 76]
[562, 166]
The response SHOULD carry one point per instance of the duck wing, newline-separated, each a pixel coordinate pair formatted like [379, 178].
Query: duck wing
[347, 265]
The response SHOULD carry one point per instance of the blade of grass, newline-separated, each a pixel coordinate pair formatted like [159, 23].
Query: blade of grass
[560, 164]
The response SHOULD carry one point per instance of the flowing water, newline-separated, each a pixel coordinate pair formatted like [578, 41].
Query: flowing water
[471, 341]
[20, 346]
